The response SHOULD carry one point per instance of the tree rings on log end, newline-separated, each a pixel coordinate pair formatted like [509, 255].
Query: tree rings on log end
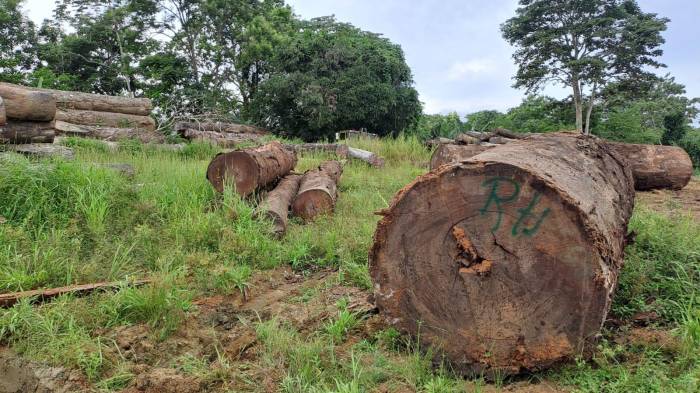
[312, 203]
[238, 168]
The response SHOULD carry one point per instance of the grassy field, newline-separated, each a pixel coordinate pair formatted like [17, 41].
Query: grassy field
[79, 222]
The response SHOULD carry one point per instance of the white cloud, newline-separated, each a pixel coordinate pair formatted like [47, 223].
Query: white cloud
[461, 70]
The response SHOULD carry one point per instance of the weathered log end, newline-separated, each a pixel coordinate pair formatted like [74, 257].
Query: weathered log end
[507, 261]
[24, 104]
[318, 191]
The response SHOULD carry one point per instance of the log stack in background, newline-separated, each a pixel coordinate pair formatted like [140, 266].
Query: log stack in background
[28, 115]
[507, 261]
[226, 135]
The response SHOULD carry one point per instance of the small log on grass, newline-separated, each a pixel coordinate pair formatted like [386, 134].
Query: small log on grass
[251, 169]
[108, 133]
[276, 204]
[366, 156]
[318, 191]
[41, 295]
[447, 154]
[339, 149]
[655, 166]
[507, 261]
[3, 114]
[42, 150]
[24, 104]
[232, 128]
[27, 132]
[106, 119]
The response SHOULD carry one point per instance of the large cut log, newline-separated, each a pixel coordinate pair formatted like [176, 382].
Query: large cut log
[99, 102]
[222, 139]
[24, 104]
[655, 166]
[3, 115]
[507, 261]
[251, 169]
[318, 191]
[27, 132]
[276, 204]
[447, 154]
[42, 150]
[108, 133]
[182, 126]
[339, 149]
[366, 156]
[105, 119]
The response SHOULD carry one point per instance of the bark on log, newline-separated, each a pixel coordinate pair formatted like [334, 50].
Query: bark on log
[100, 103]
[339, 149]
[10, 299]
[27, 105]
[507, 261]
[222, 139]
[318, 191]
[108, 133]
[105, 119]
[655, 166]
[251, 169]
[3, 115]
[366, 156]
[182, 126]
[42, 150]
[447, 154]
[276, 204]
[27, 132]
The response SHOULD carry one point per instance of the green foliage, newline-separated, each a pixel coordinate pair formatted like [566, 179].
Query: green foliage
[338, 328]
[17, 42]
[434, 126]
[691, 144]
[675, 128]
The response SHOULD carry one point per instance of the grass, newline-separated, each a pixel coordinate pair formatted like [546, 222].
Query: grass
[79, 222]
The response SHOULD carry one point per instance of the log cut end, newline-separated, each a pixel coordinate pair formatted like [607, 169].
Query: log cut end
[494, 264]
[312, 203]
[237, 169]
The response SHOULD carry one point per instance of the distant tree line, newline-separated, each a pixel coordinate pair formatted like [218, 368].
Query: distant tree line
[248, 60]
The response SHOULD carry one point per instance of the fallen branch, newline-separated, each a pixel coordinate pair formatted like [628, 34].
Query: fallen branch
[366, 156]
[40, 295]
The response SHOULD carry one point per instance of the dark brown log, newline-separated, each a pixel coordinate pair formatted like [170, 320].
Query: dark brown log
[507, 261]
[182, 126]
[27, 105]
[318, 191]
[99, 103]
[108, 133]
[41, 295]
[339, 149]
[105, 119]
[251, 169]
[366, 156]
[27, 132]
[3, 115]
[222, 139]
[447, 154]
[655, 166]
[42, 150]
[276, 204]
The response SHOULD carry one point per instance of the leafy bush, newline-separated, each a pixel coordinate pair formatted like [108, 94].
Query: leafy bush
[691, 144]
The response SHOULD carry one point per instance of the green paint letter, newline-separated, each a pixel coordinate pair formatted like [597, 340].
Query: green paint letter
[494, 198]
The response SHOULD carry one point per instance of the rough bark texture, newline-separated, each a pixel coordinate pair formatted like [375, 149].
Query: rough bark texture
[105, 119]
[181, 127]
[366, 156]
[42, 150]
[99, 102]
[318, 191]
[251, 169]
[27, 132]
[24, 104]
[507, 261]
[276, 204]
[108, 133]
[3, 114]
[223, 139]
[655, 166]
[447, 154]
[339, 149]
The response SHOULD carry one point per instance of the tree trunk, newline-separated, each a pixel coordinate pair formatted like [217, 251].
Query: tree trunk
[100, 103]
[318, 191]
[507, 261]
[27, 105]
[578, 106]
[339, 149]
[105, 119]
[222, 139]
[182, 126]
[251, 169]
[366, 156]
[109, 133]
[655, 166]
[447, 154]
[276, 204]
[3, 115]
[42, 150]
[27, 132]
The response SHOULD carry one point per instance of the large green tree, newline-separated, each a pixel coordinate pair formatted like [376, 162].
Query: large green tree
[17, 42]
[584, 45]
[333, 76]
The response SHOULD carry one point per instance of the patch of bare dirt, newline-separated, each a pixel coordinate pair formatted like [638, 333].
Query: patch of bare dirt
[18, 375]
[685, 201]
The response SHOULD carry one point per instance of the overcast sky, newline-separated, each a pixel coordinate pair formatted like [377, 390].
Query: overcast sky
[454, 47]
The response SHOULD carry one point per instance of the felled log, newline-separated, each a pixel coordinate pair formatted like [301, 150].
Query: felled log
[339, 149]
[42, 150]
[507, 261]
[655, 166]
[108, 133]
[318, 191]
[222, 139]
[464, 139]
[3, 115]
[99, 103]
[27, 105]
[105, 119]
[438, 141]
[27, 132]
[41, 295]
[499, 140]
[182, 126]
[366, 156]
[251, 169]
[276, 204]
[447, 154]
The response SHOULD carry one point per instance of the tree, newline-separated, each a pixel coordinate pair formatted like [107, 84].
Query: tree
[333, 76]
[584, 45]
[485, 120]
[17, 42]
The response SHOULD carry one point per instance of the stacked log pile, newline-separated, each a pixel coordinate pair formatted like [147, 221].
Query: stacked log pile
[226, 135]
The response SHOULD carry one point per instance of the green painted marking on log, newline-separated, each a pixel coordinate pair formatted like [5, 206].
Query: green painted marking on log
[495, 184]
[496, 198]
[527, 212]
